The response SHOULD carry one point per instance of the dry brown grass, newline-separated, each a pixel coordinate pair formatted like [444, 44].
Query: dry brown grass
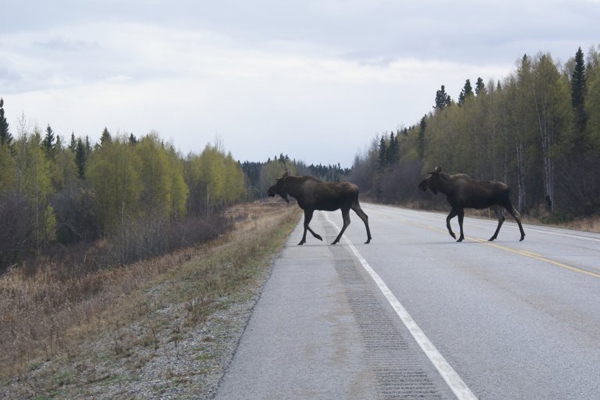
[591, 224]
[45, 318]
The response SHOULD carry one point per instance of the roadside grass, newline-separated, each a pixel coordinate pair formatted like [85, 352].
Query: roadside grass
[586, 224]
[50, 339]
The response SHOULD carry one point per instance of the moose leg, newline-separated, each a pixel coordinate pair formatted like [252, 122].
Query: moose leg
[461, 217]
[346, 216]
[500, 216]
[515, 214]
[308, 214]
[365, 218]
[452, 214]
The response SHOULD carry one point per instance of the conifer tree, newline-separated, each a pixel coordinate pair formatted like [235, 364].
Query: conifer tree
[480, 87]
[48, 143]
[105, 138]
[466, 92]
[81, 158]
[5, 136]
[382, 161]
[578, 92]
[73, 143]
[442, 99]
[132, 139]
[392, 150]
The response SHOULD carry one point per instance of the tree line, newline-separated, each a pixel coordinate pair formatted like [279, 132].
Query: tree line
[538, 129]
[93, 205]
[139, 195]
[261, 175]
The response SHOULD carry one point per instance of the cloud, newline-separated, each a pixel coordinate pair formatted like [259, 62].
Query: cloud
[312, 79]
[63, 44]
[191, 85]
[8, 74]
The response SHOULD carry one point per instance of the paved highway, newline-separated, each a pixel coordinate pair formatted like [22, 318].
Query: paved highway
[414, 314]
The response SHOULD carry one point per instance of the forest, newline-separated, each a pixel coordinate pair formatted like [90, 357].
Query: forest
[114, 202]
[96, 205]
[537, 129]
[83, 207]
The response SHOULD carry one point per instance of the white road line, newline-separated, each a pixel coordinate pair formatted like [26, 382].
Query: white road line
[456, 384]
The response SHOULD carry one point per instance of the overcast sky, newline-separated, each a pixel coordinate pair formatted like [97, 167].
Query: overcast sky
[316, 80]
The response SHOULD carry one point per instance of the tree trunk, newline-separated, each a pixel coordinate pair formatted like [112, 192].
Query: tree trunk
[521, 175]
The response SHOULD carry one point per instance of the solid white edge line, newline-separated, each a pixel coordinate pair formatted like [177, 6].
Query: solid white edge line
[456, 384]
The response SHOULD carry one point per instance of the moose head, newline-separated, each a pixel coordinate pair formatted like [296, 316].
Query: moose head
[279, 187]
[432, 181]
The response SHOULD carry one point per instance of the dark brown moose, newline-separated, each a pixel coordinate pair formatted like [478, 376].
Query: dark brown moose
[463, 192]
[313, 194]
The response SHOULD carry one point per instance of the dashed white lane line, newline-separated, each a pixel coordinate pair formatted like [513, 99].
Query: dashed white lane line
[456, 384]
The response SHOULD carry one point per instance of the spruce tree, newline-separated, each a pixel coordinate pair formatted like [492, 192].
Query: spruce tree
[392, 150]
[382, 161]
[81, 158]
[105, 139]
[466, 92]
[73, 143]
[578, 91]
[132, 139]
[5, 136]
[480, 87]
[442, 99]
[48, 143]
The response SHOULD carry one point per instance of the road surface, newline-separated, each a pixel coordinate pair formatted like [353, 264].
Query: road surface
[414, 314]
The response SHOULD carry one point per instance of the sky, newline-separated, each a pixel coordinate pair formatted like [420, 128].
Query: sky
[314, 80]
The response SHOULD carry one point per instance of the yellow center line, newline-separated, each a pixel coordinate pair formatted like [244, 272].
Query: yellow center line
[524, 253]
[542, 258]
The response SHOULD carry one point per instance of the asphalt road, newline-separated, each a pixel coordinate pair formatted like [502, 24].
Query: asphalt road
[414, 314]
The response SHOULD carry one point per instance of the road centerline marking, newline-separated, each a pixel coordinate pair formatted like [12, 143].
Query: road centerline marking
[539, 257]
[452, 379]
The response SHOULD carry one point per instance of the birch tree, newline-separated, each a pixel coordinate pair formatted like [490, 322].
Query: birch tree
[155, 178]
[550, 101]
[33, 183]
[113, 174]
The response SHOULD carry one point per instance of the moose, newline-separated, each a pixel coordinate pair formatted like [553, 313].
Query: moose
[313, 194]
[464, 192]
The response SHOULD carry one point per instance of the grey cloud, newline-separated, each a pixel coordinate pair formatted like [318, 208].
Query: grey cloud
[62, 44]
[10, 78]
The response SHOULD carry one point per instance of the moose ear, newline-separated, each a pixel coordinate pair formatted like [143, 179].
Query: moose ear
[286, 173]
